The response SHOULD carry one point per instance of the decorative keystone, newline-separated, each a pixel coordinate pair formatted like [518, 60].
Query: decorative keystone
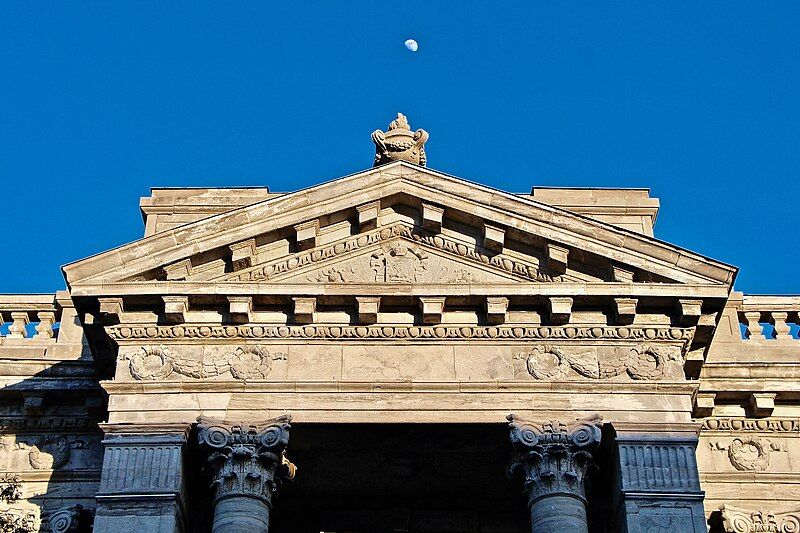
[556, 257]
[368, 215]
[432, 216]
[175, 308]
[307, 234]
[432, 308]
[242, 254]
[559, 309]
[368, 307]
[245, 460]
[496, 308]
[553, 456]
[304, 308]
[494, 237]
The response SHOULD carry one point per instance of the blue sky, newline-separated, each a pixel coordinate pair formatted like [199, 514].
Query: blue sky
[698, 101]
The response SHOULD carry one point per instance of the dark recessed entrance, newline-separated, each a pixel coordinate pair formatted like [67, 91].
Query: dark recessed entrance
[421, 478]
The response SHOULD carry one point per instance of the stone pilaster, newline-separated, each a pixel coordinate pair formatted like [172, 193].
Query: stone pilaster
[142, 485]
[657, 484]
[554, 458]
[245, 465]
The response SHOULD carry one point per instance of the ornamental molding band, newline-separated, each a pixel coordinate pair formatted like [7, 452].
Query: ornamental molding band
[399, 143]
[766, 425]
[245, 465]
[554, 458]
[749, 453]
[243, 363]
[133, 332]
[398, 258]
[646, 362]
[738, 520]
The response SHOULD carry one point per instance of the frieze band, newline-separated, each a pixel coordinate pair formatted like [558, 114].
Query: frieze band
[436, 333]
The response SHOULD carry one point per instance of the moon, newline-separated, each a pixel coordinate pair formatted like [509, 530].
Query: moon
[412, 45]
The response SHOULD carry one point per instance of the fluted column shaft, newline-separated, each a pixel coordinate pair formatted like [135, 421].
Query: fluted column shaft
[245, 466]
[553, 459]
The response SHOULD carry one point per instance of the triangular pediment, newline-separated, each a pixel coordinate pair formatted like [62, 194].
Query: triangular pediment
[483, 234]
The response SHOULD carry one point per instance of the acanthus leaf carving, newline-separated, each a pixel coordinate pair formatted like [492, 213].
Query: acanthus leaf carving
[739, 520]
[554, 456]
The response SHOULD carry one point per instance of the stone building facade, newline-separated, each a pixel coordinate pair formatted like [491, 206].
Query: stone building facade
[400, 350]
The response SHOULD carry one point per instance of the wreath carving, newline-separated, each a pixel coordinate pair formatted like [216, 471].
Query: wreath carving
[547, 362]
[748, 453]
[55, 446]
[152, 363]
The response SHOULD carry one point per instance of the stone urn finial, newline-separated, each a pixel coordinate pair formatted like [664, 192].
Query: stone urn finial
[399, 143]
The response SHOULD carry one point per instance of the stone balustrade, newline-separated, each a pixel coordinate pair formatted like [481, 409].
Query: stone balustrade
[27, 318]
[766, 318]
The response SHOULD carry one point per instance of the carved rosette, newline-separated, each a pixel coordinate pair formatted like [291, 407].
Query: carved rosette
[736, 520]
[246, 459]
[554, 457]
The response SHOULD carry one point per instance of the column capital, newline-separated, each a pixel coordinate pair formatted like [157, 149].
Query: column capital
[554, 456]
[245, 459]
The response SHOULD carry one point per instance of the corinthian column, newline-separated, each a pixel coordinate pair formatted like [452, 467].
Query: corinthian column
[245, 466]
[554, 458]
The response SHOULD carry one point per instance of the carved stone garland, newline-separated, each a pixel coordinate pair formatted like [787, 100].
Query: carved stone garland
[159, 362]
[245, 465]
[647, 362]
[554, 458]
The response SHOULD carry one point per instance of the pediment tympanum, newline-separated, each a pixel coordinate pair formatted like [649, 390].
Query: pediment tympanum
[214, 248]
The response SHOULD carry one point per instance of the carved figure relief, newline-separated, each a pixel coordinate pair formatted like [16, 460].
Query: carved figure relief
[647, 362]
[749, 453]
[738, 520]
[249, 362]
[399, 263]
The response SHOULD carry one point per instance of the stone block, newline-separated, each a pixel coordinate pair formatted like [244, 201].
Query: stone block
[494, 237]
[432, 217]
[307, 234]
[556, 257]
[432, 308]
[304, 308]
[368, 308]
[368, 215]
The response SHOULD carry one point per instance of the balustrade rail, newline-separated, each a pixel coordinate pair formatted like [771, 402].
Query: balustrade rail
[27, 318]
[764, 318]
